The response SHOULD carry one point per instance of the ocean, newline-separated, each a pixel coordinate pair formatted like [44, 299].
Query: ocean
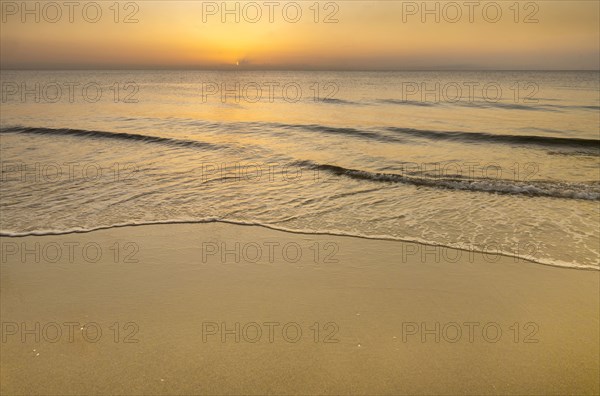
[500, 162]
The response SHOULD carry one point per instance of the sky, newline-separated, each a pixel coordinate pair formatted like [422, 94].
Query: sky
[326, 35]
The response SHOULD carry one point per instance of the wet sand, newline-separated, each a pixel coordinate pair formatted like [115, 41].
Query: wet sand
[392, 317]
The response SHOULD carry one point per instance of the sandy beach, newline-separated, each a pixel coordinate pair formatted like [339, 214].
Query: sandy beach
[182, 309]
[299, 198]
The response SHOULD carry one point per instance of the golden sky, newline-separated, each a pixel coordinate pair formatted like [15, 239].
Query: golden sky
[368, 35]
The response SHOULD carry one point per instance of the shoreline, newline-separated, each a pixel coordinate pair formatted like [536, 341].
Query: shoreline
[196, 297]
[4, 234]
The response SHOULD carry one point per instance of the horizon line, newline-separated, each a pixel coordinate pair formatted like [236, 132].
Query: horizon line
[238, 69]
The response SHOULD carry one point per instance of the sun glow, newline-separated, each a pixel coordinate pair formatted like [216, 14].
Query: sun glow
[355, 35]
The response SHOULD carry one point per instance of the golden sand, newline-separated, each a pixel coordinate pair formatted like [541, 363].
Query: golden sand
[177, 316]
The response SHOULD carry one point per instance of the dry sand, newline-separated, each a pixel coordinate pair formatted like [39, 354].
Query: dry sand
[376, 301]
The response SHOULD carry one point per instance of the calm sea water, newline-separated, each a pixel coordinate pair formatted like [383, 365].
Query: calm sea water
[490, 161]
